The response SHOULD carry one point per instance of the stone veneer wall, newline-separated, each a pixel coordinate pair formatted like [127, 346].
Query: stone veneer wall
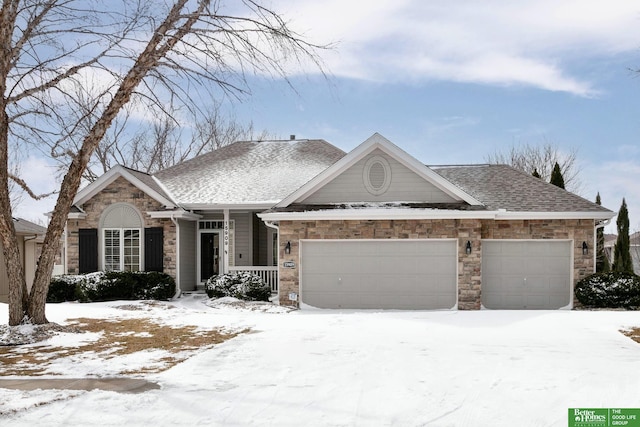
[463, 230]
[473, 230]
[121, 191]
[578, 230]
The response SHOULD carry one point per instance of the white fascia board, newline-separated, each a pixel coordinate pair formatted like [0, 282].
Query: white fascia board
[111, 175]
[375, 214]
[232, 206]
[376, 141]
[400, 213]
[77, 215]
[506, 215]
[189, 216]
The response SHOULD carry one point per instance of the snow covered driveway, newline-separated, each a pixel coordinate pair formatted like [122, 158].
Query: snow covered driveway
[333, 368]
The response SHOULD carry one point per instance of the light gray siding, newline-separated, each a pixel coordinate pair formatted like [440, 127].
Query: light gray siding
[243, 238]
[188, 260]
[405, 186]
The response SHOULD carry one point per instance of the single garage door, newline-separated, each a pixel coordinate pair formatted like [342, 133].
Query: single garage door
[526, 274]
[387, 274]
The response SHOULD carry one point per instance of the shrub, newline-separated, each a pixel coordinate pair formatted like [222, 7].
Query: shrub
[61, 289]
[242, 285]
[112, 285]
[611, 290]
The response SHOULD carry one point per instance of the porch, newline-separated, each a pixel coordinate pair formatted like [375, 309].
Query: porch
[234, 241]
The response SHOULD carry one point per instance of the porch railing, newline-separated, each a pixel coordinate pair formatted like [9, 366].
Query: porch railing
[268, 274]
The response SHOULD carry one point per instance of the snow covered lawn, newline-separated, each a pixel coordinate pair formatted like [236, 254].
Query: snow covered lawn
[326, 367]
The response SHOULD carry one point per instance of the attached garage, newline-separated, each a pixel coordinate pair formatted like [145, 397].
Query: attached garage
[526, 274]
[379, 274]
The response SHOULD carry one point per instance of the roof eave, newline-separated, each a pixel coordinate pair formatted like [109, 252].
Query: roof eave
[375, 214]
[231, 206]
[110, 176]
[189, 216]
[399, 213]
[507, 215]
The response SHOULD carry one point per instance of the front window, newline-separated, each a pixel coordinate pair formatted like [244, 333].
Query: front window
[122, 249]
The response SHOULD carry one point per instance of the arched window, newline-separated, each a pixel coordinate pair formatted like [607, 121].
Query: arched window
[121, 234]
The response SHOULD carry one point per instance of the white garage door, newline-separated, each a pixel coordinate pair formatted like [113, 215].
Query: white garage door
[389, 274]
[526, 274]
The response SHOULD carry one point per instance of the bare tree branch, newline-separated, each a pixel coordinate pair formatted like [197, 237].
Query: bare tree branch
[78, 78]
[541, 158]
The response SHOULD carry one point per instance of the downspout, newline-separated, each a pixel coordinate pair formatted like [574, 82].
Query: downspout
[178, 289]
[271, 224]
[26, 239]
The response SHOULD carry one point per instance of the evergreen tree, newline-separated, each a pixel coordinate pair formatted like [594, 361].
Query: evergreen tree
[622, 254]
[556, 176]
[535, 173]
[602, 262]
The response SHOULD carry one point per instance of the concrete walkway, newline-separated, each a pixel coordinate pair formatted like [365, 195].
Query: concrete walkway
[121, 385]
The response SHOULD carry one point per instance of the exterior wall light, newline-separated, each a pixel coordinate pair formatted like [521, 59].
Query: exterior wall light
[467, 248]
[287, 248]
[585, 248]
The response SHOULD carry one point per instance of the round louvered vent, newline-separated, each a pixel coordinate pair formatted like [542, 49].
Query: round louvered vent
[377, 175]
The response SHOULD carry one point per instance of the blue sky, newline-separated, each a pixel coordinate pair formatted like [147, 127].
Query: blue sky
[452, 82]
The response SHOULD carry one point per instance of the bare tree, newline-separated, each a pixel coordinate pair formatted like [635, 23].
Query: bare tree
[160, 143]
[541, 158]
[143, 54]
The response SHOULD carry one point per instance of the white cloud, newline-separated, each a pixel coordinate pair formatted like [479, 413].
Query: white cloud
[527, 43]
[616, 180]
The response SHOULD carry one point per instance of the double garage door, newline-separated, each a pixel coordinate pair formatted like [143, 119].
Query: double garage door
[422, 274]
[389, 274]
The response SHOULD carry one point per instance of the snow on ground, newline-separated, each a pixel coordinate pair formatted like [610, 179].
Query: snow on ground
[362, 368]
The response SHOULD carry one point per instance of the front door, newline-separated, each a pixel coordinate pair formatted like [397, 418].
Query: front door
[209, 255]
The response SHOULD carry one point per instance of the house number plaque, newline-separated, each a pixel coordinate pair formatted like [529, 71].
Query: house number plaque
[289, 264]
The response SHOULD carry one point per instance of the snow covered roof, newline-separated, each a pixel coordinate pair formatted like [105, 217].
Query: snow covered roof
[247, 172]
[503, 187]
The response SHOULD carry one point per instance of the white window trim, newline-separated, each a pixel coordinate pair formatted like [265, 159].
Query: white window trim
[121, 247]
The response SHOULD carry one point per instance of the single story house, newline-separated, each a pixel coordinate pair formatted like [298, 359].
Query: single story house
[30, 236]
[372, 228]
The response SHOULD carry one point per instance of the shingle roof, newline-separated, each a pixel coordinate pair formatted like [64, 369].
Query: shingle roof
[148, 180]
[23, 226]
[248, 172]
[503, 187]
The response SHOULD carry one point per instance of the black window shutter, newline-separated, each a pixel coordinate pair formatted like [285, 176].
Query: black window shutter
[153, 244]
[87, 250]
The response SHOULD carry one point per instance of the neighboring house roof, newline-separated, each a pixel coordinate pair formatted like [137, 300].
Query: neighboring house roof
[24, 227]
[248, 173]
[503, 187]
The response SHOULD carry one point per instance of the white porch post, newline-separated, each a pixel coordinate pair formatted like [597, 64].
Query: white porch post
[225, 259]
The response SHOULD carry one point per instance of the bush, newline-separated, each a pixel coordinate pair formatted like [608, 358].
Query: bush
[242, 285]
[610, 290]
[111, 286]
[61, 289]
